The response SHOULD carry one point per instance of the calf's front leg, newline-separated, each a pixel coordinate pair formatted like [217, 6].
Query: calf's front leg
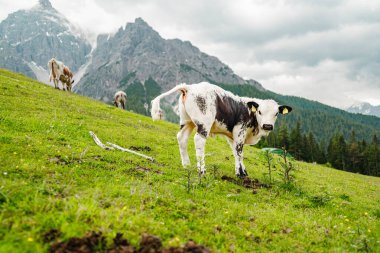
[237, 150]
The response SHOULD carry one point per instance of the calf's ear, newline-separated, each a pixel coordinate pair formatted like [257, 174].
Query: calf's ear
[284, 109]
[253, 106]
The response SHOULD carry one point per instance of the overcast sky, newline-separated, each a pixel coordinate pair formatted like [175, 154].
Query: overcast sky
[324, 50]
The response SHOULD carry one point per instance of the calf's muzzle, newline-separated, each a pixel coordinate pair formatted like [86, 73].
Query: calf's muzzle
[268, 127]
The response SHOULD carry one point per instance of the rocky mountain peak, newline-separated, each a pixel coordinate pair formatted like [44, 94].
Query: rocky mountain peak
[138, 54]
[139, 27]
[141, 22]
[364, 108]
[45, 4]
[29, 38]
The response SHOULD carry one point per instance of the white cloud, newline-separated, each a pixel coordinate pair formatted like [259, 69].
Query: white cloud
[326, 82]
[326, 50]
[8, 7]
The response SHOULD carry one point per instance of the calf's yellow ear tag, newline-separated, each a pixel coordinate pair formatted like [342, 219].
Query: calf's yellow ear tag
[253, 109]
[285, 111]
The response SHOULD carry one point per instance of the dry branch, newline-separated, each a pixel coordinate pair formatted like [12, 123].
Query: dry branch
[114, 146]
[130, 151]
[98, 142]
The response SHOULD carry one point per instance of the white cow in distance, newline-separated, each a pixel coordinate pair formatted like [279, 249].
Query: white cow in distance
[120, 99]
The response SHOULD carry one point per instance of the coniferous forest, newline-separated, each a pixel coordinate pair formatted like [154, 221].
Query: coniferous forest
[352, 154]
[315, 132]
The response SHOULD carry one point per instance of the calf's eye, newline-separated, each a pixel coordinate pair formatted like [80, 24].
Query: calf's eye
[260, 112]
[276, 114]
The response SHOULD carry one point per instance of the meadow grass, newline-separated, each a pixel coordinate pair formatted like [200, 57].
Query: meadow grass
[53, 176]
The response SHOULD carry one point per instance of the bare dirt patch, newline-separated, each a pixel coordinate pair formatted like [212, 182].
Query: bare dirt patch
[246, 182]
[150, 244]
[95, 242]
[120, 245]
[58, 160]
[64, 161]
[51, 235]
[91, 242]
[190, 247]
[140, 148]
[147, 170]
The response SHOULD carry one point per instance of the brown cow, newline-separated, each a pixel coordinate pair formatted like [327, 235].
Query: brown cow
[59, 72]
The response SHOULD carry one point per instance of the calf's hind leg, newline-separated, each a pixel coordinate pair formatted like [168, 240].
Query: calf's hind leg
[183, 138]
[200, 143]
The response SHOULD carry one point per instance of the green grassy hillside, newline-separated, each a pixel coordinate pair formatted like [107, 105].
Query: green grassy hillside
[53, 176]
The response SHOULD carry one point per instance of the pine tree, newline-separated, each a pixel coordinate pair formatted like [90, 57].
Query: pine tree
[320, 154]
[305, 149]
[332, 151]
[353, 154]
[363, 159]
[283, 137]
[342, 158]
[296, 141]
[317, 153]
[373, 156]
[337, 152]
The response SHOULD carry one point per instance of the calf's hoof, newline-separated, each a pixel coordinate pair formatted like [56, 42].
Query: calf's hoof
[202, 173]
[242, 173]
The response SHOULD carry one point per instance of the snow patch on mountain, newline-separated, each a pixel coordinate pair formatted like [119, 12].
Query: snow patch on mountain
[364, 108]
[41, 73]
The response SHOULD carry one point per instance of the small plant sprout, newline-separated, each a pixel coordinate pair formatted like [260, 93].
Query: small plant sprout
[287, 167]
[269, 158]
[188, 175]
[215, 171]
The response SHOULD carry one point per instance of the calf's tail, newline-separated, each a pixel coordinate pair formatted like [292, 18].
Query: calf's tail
[156, 111]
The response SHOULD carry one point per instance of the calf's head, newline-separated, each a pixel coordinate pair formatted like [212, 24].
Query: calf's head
[266, 112]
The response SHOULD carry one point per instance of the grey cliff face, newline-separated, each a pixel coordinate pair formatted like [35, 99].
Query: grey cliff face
[137, 53]
[31, 37]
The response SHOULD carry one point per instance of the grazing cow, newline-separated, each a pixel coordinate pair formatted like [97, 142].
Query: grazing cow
[212, 110]
[120, 99]
[59, 72]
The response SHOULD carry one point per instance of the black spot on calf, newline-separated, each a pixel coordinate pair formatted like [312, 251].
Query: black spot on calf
[201, 102]
[201, 130]
[232, 112]
[239, 149]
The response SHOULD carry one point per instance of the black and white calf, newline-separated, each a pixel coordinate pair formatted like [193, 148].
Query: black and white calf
[213, 110]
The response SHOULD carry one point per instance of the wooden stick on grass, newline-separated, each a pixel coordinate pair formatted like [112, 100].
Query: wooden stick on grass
[98, 142]
[114, 146]
[130, 151]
